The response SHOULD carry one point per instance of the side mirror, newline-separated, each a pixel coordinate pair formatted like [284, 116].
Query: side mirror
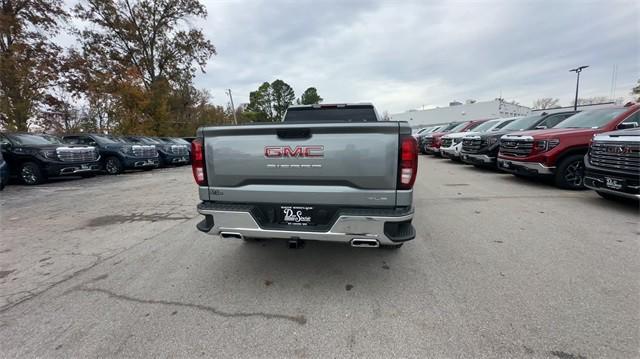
[541, 127]
[626, 125]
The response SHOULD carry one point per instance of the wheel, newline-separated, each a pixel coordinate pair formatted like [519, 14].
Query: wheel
[31, 174]
[570, 173]
[113, 165]
[391, 246]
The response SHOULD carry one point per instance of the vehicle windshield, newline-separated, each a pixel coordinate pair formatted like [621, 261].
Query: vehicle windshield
[104, 139]
[592, 118]
[501, 125]
[31, 139]
[152, 141]
[459, 127]
[522, 124]
[485, 126]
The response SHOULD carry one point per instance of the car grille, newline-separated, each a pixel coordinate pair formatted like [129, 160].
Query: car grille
[446, 142]
[427, 141]
[144, 151]
[516, 147]
[472, 145]
[179, 150]
[616, 155]
[77, 154]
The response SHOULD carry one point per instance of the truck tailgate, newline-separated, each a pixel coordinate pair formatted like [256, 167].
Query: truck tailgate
[309, 163]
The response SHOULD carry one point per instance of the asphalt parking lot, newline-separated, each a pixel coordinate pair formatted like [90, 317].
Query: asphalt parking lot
[501, 267]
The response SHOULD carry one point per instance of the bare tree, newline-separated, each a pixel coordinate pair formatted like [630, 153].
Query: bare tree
[593, 100]
[545, 103]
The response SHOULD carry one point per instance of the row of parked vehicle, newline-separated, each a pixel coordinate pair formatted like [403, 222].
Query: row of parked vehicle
[33, 158]
[597, 149]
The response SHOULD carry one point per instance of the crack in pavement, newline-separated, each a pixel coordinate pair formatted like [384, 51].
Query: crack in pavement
[300, 319]
[99, 260]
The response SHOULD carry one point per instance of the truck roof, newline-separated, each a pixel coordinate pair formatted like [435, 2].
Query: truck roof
[334, 105]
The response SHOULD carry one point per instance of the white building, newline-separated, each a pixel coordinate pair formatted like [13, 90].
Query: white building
[461, 112]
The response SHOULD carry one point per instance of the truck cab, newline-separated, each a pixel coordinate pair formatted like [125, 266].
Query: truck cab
[559, 152]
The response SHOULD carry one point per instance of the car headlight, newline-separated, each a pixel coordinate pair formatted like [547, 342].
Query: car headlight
[50, 154]
[492, 140]
[545, 145]
[457, 140]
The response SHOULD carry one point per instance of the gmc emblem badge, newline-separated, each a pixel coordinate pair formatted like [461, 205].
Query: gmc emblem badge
[295, 152]
[618, 149]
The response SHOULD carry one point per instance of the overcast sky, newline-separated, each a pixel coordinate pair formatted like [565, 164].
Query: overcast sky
[403, 55]
[406, 54]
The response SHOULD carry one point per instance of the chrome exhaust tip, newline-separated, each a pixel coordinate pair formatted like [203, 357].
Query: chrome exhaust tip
[231, 235]
[365, 242]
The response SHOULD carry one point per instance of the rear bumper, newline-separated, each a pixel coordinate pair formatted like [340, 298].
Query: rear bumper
[525, 168]
[387, 227]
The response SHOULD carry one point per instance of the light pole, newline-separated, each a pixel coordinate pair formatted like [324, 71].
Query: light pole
[233, 109]
[577, 70]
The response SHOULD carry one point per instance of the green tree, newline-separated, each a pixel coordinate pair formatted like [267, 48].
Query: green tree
[270, 101]
[29, 61]
[310, 97]
[283, 96]
[261, 103]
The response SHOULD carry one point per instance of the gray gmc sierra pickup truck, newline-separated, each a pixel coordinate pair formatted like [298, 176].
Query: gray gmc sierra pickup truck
[326, 173]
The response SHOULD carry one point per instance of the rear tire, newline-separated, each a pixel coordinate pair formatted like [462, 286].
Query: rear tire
[113, 165]
[570, 173]
[31, 174]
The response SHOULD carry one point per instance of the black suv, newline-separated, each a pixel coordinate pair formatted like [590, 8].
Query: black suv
[178, 141]
[482, 149]
[33, 158]
[117, 154]
[170, 153]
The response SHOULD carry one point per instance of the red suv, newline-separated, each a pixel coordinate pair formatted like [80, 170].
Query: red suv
[432, 141]
[559, 151]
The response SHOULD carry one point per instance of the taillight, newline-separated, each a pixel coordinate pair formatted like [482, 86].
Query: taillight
[408, 164]
[197, 162]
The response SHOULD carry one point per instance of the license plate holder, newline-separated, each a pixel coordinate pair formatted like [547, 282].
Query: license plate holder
[297, 215]
[613, 183]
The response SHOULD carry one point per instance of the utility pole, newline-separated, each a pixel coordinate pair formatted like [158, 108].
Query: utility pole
[577, 70]
[233, 108]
